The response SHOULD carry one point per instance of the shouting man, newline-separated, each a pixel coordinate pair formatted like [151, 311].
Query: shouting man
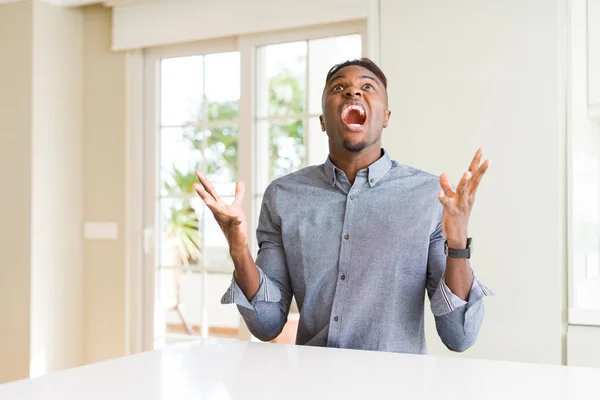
[359, 239]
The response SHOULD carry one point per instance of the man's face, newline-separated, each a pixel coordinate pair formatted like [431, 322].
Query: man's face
[354, 109]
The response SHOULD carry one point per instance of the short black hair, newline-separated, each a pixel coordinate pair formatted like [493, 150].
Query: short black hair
[361, 62]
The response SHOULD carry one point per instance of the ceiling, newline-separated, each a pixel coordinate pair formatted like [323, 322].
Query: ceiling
[77, 3]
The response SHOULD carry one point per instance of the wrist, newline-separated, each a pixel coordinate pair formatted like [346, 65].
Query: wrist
[238, 251]
[457, 243]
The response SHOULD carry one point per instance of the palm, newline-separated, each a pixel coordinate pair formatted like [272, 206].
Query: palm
[231, 217]
[458, 204]
[237, 219]
[234, 211]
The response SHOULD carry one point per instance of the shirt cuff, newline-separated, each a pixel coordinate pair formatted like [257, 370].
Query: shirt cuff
[267, 291]
[444, 301]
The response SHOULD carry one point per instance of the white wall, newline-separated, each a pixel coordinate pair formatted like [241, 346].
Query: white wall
[15, 169]
[163, 22]
[104, 149]
[470, 73]
[57, 190]
[41, 162]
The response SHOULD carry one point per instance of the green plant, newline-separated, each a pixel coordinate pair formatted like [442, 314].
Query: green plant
[219, 145]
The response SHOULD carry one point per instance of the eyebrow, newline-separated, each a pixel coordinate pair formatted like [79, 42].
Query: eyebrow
[344, 76]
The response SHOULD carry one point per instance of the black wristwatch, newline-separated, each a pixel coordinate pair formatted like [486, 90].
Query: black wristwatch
[458, 253]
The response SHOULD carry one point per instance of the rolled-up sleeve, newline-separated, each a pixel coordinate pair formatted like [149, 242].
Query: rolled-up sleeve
[266, 313]
[457, 321]
[266, 292]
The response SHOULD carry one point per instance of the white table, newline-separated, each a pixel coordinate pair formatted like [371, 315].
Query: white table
[227, 369]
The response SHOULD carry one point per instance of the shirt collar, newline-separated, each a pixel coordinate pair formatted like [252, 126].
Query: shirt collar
[376, 170]
[330, 171]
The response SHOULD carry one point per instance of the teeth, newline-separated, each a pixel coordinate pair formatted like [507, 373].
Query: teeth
[356, 107]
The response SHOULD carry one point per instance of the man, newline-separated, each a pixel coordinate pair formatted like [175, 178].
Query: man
[358, 240]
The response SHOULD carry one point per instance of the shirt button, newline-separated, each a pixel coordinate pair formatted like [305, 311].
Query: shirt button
[346, 236]
[352, 197]
[336, 318]
[372, 180]
[343, 277]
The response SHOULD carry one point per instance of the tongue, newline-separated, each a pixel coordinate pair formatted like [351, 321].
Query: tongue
[354, 117]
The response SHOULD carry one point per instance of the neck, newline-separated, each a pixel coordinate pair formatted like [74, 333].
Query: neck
[351, 162]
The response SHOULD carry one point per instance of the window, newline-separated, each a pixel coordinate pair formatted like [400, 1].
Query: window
[584, 176]
[198, 117]
[195, 128]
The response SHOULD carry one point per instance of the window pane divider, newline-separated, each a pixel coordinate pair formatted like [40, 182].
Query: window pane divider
[196, 269]
[205, 124]
[286, 118]
[191, 196]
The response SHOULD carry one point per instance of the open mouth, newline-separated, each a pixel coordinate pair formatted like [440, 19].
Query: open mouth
[354, 116]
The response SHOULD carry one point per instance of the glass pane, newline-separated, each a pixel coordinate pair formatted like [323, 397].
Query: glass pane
[586, 232]
[183, 151]
[187, 302]
[181, 89]
[281, 79]
[283, 144]
[180, 156]
[220, 153]
[199, 103]
[222, 85]
[324, 54]
[318, 142]
[181, 232]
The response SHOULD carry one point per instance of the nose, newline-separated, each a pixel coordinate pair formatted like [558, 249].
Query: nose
[351, 91]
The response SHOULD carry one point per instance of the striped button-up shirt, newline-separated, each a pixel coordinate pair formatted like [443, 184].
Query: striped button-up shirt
[358, 258]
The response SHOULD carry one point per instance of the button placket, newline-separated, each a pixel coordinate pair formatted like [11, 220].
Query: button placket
[340, 296]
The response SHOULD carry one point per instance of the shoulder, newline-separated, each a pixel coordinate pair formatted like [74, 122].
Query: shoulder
[311, 175]
[417, 176]
[423, 188]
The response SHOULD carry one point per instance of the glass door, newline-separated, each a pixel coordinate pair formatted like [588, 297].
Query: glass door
[195, 128]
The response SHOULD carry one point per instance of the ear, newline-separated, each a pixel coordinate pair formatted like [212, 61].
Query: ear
[386, 119]
[322, 123]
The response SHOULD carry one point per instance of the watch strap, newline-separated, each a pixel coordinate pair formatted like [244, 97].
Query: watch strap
[458, 253]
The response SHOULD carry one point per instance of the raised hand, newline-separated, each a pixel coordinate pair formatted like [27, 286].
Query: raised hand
[458, 204]
[231, 218]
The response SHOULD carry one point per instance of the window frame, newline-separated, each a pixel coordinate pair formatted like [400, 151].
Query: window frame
[151, 175]
[580, 114]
